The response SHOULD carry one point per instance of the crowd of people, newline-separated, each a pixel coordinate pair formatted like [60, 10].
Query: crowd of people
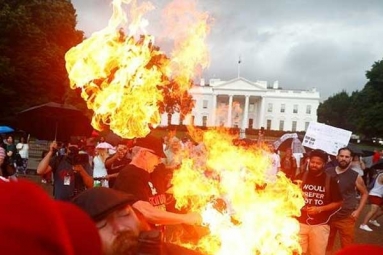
[125, 189]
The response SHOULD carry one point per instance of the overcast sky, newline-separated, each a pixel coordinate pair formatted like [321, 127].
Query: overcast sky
[304, 44]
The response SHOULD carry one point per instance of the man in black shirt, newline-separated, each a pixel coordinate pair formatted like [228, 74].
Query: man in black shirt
[322, 200]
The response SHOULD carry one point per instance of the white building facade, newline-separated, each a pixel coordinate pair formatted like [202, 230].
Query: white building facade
[250, 105]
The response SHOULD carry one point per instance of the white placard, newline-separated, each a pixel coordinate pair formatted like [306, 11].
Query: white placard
[325, 137]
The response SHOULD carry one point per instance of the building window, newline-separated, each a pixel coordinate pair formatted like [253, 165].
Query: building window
[281, 124]
[181, 120]
[205, 103]
[268, 125]
[251, 121]
[295, 109]
[283, 107]
[204, 121]
[308, 109]
[307, 125]
[192, 120]
[270, 107]
[294, 126]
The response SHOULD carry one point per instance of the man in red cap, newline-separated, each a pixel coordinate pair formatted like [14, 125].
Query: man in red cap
[122, 228]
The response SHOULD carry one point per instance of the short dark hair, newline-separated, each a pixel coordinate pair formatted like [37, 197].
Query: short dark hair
[346, 149]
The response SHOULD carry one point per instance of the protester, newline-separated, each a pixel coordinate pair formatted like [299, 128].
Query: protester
[23, 150]
[99, 169]
[2, 154]
[117, 161]
[376, 201]
[322, 200]
[349, 182]
[10, 149]
[136, 179]
[289, 164]
[72, 173]
[121, 226]
[33, 223]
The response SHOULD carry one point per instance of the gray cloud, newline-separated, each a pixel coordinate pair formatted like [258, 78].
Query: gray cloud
[303, 43]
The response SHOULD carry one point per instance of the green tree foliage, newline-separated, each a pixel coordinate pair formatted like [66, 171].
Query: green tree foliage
[34, 37]
[362, 111]
[367, 106]
[334, 111]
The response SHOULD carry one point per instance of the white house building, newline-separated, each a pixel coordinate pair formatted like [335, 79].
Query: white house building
[244, 104]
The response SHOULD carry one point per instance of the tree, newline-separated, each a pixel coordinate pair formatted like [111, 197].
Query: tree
[334, 111]
[34, 37]
[362, 111]
[367, 107]
[175, 102]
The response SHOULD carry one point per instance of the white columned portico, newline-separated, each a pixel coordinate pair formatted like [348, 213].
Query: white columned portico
[245, 120]
[213, 118]
[229, 111]
[262, 113]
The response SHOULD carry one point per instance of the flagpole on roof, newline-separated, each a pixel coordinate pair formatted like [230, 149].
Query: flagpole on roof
[239, 66]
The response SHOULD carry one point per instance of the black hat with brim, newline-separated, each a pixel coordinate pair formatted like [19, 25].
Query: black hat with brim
[99, 202]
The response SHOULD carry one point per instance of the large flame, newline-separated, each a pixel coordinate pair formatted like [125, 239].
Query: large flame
[257, 216]
[121, 75]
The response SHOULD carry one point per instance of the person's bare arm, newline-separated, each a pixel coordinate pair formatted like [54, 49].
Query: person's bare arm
[109, 161]
[88, 180]
[329, 207]
[363, 196]
[43, 167]
[156, 216]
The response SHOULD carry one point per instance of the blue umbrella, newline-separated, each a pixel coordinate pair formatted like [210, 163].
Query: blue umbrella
[6, 129]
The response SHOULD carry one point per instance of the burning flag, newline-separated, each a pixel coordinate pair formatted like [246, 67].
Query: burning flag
[122, 76]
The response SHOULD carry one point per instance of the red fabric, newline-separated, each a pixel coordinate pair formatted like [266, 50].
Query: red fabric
[375, 157]
[359, 249]
[33, 223]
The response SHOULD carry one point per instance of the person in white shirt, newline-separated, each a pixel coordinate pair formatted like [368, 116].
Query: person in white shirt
[99, 169]
[23, 150]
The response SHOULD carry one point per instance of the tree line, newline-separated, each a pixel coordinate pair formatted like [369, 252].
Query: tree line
[360, 112]
[34, 37]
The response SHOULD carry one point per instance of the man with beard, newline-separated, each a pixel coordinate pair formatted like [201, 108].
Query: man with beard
[117, 161]
[72, 173]
[322, 200]
[121, 225]
[349, 181]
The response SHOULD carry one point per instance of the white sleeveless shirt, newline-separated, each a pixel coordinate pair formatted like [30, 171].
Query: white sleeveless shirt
[377, 190]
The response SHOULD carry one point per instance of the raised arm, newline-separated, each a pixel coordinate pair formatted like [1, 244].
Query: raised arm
[43, 167]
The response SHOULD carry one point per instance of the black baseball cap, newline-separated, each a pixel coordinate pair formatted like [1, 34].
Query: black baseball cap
[99, 202]
[152, 143]
[319, 153]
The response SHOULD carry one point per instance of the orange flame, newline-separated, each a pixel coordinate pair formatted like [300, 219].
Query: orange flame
[121, 77]
[257, 218]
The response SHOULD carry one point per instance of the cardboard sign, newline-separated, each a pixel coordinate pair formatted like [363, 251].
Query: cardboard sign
[325, 137]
